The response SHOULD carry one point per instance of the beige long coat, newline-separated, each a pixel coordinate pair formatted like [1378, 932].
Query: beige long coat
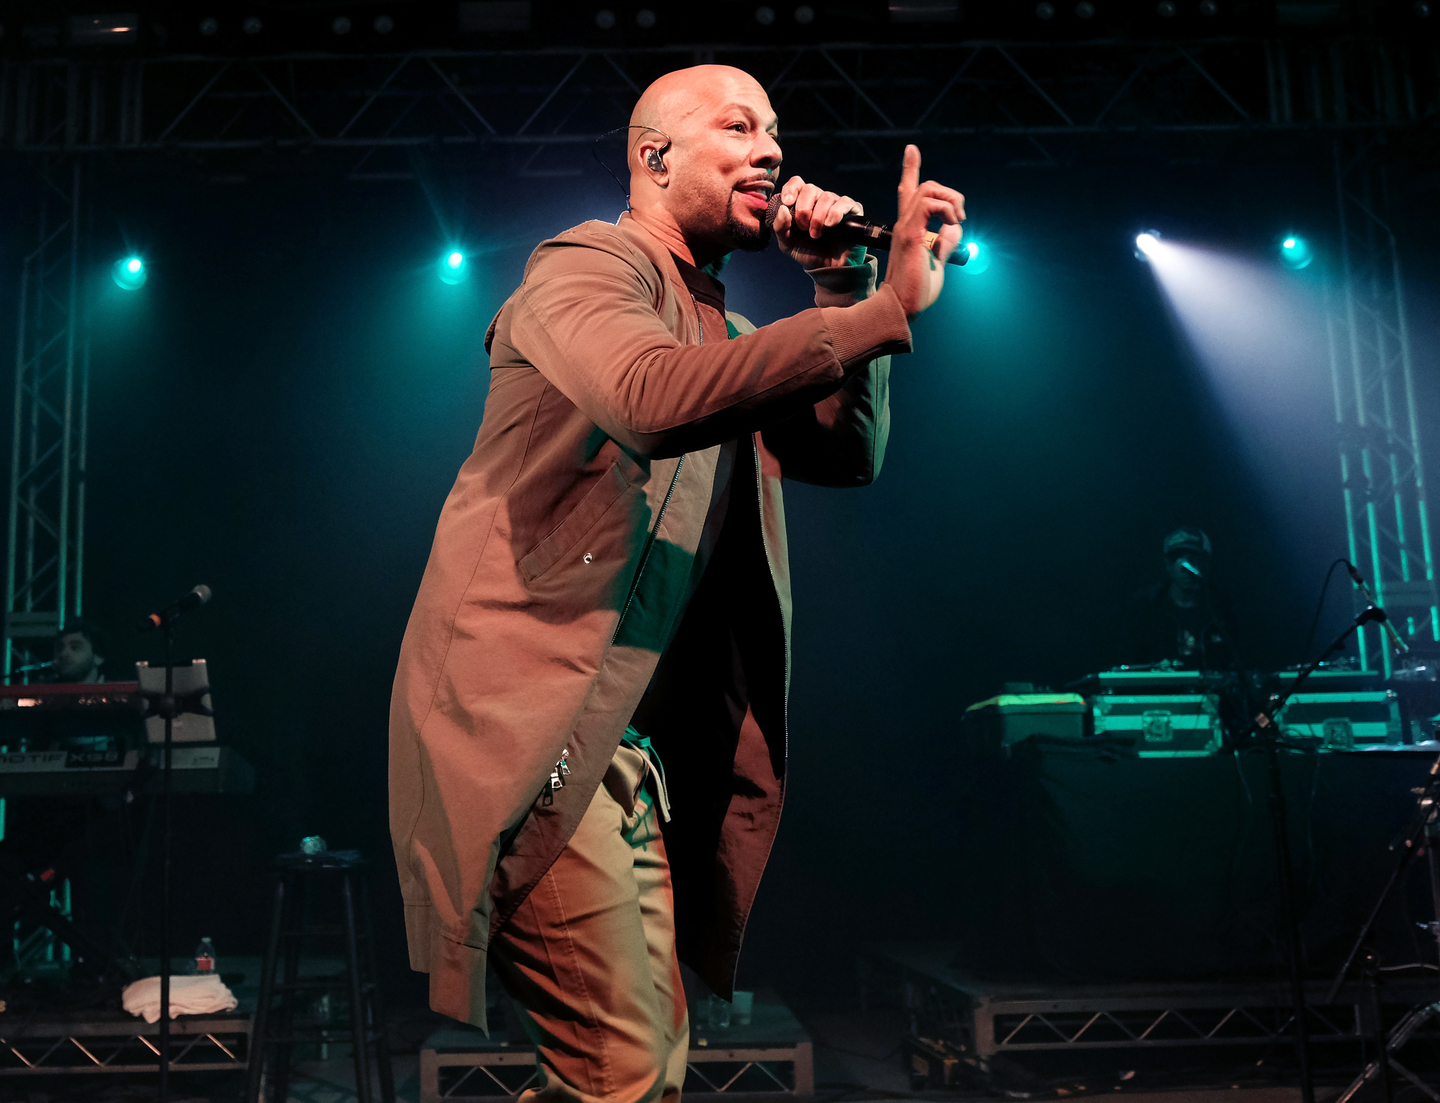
[560, 567]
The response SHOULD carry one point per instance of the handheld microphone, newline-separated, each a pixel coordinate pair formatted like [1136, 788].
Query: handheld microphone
[177, 608]
[855, 229]
[1384, 618]
[1188, 565]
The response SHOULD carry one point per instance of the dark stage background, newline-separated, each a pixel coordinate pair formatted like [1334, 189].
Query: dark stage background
[280, 412]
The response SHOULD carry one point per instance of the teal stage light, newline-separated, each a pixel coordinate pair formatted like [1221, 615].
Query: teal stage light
[1295, 252]
[979, 258]
[129, 273]
[1145, 242]
[454, 267]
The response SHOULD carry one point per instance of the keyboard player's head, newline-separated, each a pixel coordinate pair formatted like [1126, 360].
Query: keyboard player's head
[79, 652]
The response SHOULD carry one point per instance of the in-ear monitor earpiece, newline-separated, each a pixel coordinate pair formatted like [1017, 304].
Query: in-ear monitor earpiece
[654, 162]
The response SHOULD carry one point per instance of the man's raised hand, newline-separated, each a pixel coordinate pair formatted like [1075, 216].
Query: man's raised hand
[916, 271]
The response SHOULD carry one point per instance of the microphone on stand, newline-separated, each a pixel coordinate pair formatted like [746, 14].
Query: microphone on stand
[177, 608]
[1383, 617]
[855, 229]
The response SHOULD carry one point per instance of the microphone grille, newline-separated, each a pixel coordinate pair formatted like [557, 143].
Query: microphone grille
[772, 210]
[202, 591]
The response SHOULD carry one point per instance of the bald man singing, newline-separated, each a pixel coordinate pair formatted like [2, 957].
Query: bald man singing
[587, 733]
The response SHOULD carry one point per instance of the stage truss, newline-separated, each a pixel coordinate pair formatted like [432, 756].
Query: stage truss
[985, 1019]
[1382, 474]
[45, 549]
[1027, 101]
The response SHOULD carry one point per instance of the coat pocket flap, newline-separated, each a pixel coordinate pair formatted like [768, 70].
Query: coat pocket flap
[577, 523]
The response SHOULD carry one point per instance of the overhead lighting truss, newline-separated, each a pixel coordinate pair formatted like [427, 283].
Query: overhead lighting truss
[1021, 99]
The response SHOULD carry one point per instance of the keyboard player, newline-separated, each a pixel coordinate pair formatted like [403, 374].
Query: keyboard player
[79, 653]
[68, 718]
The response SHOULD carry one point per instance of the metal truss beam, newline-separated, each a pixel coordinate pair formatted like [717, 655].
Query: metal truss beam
[44, 555]
[544, 107]
[1372, 368]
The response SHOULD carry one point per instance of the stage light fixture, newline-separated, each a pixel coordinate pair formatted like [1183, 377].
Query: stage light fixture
[764, 16]
[1166, 9]
[129, 273]
[103, 30]
[1295, 252]
[454, 267]
[605, 19]
[341, 24]
[645, 19]
[804, 15]
[1044, 11]
[252, 25]
[209, 26]
[924, 11]
[1145, 241]
[383, 24]
[1209, 8]
[979, 258]
[1422, 9]
[1085, 10]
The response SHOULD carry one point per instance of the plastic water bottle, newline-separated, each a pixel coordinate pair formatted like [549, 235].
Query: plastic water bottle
[205, 965]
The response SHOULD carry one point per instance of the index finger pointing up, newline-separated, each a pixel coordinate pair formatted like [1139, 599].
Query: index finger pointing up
[910, 170]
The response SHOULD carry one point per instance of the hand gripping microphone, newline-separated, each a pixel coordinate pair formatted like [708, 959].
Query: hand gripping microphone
[1384, 617]
[854, 229]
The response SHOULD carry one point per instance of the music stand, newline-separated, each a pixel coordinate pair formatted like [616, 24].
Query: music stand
[192, 686]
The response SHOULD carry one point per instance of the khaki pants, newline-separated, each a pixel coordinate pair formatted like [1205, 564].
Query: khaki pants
[589, 958]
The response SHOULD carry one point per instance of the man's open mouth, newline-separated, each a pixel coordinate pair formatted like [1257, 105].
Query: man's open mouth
[756, 195]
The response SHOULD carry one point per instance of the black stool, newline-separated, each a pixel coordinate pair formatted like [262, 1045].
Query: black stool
[280, 1025]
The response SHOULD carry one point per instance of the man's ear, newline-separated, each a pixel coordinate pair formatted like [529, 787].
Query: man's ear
[651, 152]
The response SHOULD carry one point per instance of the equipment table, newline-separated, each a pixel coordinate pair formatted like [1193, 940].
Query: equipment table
[1077, 863]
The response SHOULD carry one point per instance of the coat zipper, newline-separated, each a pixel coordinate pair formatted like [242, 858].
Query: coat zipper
[785, 639]
[775, 590]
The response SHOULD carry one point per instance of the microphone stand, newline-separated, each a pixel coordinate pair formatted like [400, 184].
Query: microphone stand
[168, 706]
[28, 668]
[1419, 836]
[1264, 732]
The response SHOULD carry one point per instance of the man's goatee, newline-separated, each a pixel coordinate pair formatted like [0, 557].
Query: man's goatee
[752, 239]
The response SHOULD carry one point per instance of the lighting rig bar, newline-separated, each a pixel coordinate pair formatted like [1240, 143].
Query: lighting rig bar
[549, 105]
[228, 28]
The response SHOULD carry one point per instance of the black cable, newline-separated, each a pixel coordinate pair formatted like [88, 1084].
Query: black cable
[595, 152]
[1319, 608]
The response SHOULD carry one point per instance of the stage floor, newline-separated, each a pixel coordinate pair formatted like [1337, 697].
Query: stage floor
[858, 1052]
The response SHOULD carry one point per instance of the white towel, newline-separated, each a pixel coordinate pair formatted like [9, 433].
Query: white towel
[202, 995]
